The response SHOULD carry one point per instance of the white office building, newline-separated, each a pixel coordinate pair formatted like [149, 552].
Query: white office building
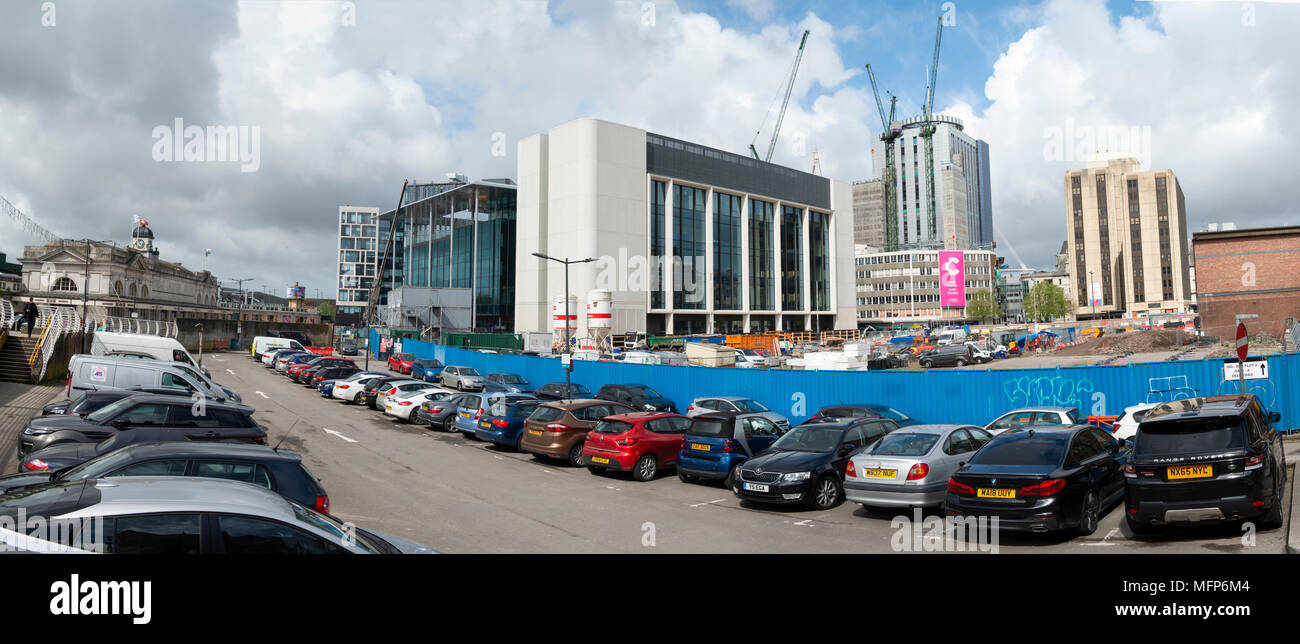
[687, 239]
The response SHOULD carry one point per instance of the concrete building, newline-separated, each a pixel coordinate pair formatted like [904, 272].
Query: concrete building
[965, 158]
[686, 238]
[869, 213]
[1254, 271]
[903, 287]
[358, 258]
[1128, 240]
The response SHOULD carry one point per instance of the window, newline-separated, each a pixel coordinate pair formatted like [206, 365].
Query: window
[250, 536]
[959, 442]
[64, 284]
[144, 414]
[173, 380]
[158, 534]
[235, 471]
[153, 468]
[689, 246]
[1082, 448]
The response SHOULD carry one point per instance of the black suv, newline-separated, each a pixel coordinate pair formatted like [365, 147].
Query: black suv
[636, 396]
[949, 355]
[1208, 459]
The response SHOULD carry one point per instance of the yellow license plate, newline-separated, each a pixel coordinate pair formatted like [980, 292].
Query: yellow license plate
[879, 474]
[701, 447]
[535, 432]
[485, 425]
[600, 459]
[1191, 472]
[995, 493]
[464, 414]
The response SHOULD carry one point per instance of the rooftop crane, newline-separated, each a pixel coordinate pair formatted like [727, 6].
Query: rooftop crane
[776, 131]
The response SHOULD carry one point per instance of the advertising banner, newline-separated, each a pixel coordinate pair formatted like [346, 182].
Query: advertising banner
[952, 278]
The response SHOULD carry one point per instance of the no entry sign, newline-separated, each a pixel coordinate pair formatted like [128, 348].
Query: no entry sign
[1242, 343]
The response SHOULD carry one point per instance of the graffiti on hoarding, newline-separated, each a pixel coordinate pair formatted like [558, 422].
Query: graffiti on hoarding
[1053, 391]
[1263, 390]
[1169, 389]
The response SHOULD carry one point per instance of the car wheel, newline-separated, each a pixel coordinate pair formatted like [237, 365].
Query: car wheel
[961, 363]
[826, 493]
[449, 424]
[1272, 519]
[646, 468]
[1090, 514]
[575, 454]
[730, 483]
[926, 364]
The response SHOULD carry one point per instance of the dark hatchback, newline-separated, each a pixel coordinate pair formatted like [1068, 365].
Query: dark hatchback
[279, 470]
[1041, 479]
[561, 391]
[93, 400]
[866, 411]
[370, 393]
[1207, 459]
[637, 396]
[806, 465]
[61, 455]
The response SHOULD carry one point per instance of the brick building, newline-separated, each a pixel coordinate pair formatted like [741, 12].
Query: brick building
[1247, 271]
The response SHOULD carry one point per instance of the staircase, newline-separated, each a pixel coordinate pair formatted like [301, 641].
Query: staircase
[14, 356]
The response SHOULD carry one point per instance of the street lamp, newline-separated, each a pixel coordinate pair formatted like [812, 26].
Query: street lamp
[567, 345]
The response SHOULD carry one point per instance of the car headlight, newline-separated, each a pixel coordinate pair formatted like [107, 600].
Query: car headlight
[795, 477]
[648, 407]
[32, 431]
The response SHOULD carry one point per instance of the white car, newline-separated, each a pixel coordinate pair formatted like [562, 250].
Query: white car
[397, 388]
[1126, 426]
[402, 404]
[348, 388]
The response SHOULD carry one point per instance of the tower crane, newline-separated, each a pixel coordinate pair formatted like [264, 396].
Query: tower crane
[776, 131]
[927, 134]
[887, 136]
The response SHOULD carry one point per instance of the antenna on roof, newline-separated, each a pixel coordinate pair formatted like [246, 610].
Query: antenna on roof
[276, 449]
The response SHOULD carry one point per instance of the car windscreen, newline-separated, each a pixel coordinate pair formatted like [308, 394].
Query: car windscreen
[612, 427]
[110, 410]
[1022, 449]
[1075, 417]
[544, 414]
[96, 467]
[468, 371]
[810, 439]
[905, 444]
[512, 379]
[711, 427]
[750, 406]
[1190, 436]
[646, 391]
[49, 500]
[891, 413]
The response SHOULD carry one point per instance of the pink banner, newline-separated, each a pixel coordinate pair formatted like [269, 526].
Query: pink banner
[952, 278]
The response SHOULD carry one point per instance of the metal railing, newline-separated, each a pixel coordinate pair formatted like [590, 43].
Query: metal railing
[6, 314]
[57, 322]
[1290, 335]
[110, 324]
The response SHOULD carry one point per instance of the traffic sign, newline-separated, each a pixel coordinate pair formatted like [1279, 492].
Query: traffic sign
[1242, 343]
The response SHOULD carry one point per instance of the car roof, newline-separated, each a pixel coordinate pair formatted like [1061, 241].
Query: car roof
[194, 449]
[1042, 408]
[726, 398]
[169, 399]
[939, 429]
[1201, 407]
[1059, 431]
[135, 494]
[575, 403]
[641, 415]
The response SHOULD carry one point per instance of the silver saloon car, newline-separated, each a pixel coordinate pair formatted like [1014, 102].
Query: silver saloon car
[911, 466]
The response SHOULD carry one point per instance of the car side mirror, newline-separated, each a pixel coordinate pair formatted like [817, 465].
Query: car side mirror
[1274, 417]
[120, 424]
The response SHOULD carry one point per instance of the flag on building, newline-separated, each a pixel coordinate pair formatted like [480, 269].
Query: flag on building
[207, 252]
[140, 221]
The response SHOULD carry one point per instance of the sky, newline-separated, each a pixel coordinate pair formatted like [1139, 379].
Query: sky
[331, 103]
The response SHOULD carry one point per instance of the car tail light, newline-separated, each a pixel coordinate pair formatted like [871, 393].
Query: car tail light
[625, 442]
[438, 410]
[1130, 471]
[69, 384]
[390, 391]
[959, 488]
[849, 470]
[478, 415]
[36, 465]
[918, 472]
[1254, 460]
[322, 504]
[689, 408]
[1050, 487]
[260, 440]
[500, 422]
[405, 403]
[557, 427]
[728, 445]
[342, 386]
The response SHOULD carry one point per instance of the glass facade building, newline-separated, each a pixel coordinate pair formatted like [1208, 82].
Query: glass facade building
[358, 251]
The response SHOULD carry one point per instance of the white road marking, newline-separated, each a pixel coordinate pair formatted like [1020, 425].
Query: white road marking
[610, 487]
[330, 431]
[1105, 541]
[230, 372]
[261, 394]
[696, 505]
[805, 522]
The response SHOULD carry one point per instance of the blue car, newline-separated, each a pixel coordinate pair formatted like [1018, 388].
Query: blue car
[717, 444]
[511, 383]
[506, 429]
[471, 408]
[426, 369]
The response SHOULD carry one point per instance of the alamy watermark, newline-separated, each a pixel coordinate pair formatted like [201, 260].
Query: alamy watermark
[215, 143]
[638, 273]
[943, 534]
[1077, 143]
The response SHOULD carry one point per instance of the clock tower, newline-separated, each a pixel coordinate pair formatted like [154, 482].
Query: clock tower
[142, 237]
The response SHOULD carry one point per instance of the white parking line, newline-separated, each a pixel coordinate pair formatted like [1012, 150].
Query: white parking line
[1105, 541]
[261, 394]
[696, 505]
[330, 431]
[230, 372]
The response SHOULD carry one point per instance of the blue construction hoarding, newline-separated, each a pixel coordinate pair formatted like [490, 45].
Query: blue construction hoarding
[933, 396]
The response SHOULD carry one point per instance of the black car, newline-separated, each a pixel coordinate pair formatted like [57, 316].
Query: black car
[949, 355]
[305, 374]
[347, 347]
[329, 373]
[561, 391]
[210, 421]
[806, 465]
[637, 396]
[1206, 459]
[92, 400]
[866, 411]
[1041, 479]
[61, 455]
[280, 470]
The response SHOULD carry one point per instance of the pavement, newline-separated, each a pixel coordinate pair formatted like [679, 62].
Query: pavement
[18, 403]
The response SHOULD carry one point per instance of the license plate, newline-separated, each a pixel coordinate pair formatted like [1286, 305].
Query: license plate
[600, 459]
[535, 432]
[756, 487]
[700, 447]
[464, 414]
[1191, 471]
[485, 425]
[996, 493]
[879, 474]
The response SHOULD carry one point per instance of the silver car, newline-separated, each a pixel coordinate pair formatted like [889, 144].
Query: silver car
[911, 466]
[462, 378]
[735, 404]
[165, 515]
[1034, 417]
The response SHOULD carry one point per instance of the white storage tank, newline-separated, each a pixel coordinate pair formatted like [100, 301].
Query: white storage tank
[558, 314]
[600, 310]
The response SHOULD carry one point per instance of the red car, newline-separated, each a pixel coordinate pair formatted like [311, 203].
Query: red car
[296, 370]
[401, 362]
[640, 442]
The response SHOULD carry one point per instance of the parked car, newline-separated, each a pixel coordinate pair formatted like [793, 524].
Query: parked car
[426, 369]
[282, 360]
[440, 412]
[369, 395]
[806, 465]
[264, 344]
[470, 409]
[735, 405]
[949, 355]
[347, 347]
[866, 411]
[403, 404]
[881, 360]
[401, 362]
[166, 515]
[1207, 459]
[92, 400]
[561, 391]
[503, 424]
[273, 357]
[63, 455]
[94, 373]
[215, 421]
[716, 444]
[308, 375]
[910, 467]
[559, 429]
[296, 372]
[1126, 426]
[281, 470]
[1041, 479]
[1035, 417]
[349, 388]
[642, 443]
[462, 378]
[511, 383]
[330, 373]
[397, 387]
[637, 396]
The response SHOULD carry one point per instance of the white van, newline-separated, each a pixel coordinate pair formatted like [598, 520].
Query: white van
[263, 344]
[951, 336]
[91, 373]
[165, 349]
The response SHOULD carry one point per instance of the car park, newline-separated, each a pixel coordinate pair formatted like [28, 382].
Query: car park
[806, 465]
[470, 409]
[637, 396]
[403, 404]
[426, 369]
[950, 355]
[511, 383]
[1035, 417]
[910, 467]
[503, 424]
[562, 391]
[866, 411]
[642, 443]
[170, 515]
[401, 362]
[735, 405]
[558, 429]
[461, 378]
[716, 444]
[1206, 460]
[1041, 479]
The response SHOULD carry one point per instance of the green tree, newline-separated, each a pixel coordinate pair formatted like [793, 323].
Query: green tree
[326, 309]
[1045, 302]
[982, 306]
